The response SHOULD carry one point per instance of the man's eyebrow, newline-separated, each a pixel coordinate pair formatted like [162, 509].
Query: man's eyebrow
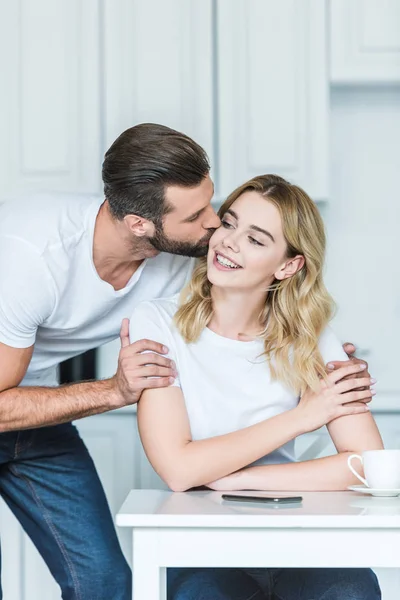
[255, 227]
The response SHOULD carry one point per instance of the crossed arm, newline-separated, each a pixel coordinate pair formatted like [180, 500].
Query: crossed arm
[182, 463]
[354, 433]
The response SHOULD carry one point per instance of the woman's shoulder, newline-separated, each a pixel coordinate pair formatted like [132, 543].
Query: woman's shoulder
[159, 308]
[152, 319]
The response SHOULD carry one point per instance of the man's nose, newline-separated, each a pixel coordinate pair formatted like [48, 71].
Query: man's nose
[213, 221]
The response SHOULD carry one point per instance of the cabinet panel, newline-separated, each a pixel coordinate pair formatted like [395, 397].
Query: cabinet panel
[158, 66]
[11, 554]
[365, 41]
[272, 92]
[112, 442]
[50, 119]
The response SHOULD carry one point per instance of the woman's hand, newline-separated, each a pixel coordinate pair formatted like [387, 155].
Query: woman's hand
[338, 396]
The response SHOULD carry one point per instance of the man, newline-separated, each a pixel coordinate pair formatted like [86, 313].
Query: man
[70, 270]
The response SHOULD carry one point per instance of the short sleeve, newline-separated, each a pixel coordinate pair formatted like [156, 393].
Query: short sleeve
[330, 347]
[147, 322]
[27, 294]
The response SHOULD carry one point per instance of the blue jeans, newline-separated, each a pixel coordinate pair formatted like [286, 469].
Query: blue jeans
[50, 483]
[272, 584]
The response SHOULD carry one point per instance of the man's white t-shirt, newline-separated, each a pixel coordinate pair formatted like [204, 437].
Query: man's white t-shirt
[50, 292]
[226, 383]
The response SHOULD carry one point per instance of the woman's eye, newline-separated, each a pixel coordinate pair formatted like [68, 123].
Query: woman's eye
[254, 241]
[226, 224]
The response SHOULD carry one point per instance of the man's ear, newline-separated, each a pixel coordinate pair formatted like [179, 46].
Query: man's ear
[290, 267]
[139, 226]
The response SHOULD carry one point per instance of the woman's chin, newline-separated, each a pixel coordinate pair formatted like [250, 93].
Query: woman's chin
[222, 279]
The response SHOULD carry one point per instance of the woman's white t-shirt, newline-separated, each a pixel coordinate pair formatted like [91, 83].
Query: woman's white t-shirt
[226, 383]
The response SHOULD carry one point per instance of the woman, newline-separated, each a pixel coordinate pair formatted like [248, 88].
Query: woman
[250, 340]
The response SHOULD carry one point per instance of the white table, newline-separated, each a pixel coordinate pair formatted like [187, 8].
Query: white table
[198, 529]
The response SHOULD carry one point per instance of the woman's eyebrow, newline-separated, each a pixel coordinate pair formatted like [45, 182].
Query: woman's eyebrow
[255, 227]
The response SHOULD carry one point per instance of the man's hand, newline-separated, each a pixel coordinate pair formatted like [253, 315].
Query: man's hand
[140, 366]
[350, 349]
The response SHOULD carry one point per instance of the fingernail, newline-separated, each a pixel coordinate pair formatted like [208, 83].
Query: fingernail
[373, 392]
[165, 349]
[366, 407]
[171, 379]
[330, 366]
[361, 367]
[175, 373]
[373, 380]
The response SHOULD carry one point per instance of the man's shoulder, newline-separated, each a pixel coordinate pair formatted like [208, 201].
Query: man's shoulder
[151, 317]
[42, 219]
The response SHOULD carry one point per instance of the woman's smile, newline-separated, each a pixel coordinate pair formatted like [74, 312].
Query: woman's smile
[224, 263]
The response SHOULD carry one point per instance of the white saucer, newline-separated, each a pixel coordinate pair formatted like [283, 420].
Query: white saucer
[374, 491]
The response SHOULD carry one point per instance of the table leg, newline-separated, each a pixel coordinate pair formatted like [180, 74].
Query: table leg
[149, 577]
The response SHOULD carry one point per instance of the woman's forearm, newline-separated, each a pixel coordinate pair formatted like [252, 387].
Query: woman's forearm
[320, 474]
[199, 462]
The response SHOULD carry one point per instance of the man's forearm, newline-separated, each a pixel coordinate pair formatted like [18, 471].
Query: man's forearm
[29, 407]
[320, 474]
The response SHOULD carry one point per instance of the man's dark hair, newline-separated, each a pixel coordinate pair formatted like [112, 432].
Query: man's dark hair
[145, 159]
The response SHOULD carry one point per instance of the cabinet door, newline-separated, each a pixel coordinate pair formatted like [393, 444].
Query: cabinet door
[11, 555]
[158, 66]
[272, 92]
[365, 41]
[50, 105]
[112, 442]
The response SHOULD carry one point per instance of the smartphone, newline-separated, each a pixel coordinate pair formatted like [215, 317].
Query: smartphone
[266, 499]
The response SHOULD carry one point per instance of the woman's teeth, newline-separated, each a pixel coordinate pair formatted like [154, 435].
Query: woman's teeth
[225, 262]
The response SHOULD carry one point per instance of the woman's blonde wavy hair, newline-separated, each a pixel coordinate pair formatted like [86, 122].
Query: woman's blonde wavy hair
[297, 309]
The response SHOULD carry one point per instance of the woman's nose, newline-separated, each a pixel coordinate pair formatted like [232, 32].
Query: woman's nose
[231, 241]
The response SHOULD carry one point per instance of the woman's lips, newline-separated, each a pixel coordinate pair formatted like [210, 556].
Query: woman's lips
[220, 267]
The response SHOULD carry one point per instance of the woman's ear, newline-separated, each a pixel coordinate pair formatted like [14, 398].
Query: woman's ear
[139, 226]
[290, 267]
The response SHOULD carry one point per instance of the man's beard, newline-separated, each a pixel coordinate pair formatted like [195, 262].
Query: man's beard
[162, 243]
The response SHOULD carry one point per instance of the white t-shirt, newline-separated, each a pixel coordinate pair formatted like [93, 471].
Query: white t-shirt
[50, 292]
[226, 383]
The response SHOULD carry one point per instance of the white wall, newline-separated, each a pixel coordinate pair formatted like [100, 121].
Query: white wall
[363, 218]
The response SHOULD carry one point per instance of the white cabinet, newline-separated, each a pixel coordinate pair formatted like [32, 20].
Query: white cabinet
[50, 102]
[365, 41]
[272, 93]
[158, 67]
[113, 443]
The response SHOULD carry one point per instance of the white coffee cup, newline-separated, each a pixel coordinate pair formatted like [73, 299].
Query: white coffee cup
[381, 468]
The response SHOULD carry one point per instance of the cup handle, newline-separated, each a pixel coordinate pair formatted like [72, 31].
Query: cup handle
[352, 469]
